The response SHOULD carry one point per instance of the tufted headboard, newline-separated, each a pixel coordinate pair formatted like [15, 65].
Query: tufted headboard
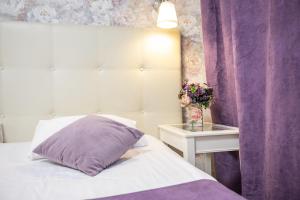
[48, 71]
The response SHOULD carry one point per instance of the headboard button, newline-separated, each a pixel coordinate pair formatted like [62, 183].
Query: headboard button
[1, 68]
[52, 115]
[52, 68]
[141, 69]
[99, 68]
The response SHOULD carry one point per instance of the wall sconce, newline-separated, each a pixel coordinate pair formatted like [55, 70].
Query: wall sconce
[167, 17]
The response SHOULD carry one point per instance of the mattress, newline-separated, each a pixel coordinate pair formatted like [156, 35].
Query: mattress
[140, 169]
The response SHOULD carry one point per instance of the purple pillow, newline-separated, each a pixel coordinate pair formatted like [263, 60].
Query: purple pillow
[90, 144]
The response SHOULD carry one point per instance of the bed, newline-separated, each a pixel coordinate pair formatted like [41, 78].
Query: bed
[59, 70]
[141, 168]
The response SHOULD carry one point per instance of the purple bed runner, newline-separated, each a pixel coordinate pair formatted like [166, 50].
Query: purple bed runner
[196, 190]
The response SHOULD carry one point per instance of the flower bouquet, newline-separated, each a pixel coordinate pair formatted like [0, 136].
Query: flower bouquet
[195, 97]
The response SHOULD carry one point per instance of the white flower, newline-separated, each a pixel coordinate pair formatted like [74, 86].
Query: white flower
[102, 19]
[74, 17]
[191, 7]
[187, 22]
[192, 56]
[101, 6]
[117, 2]
[185, 100]
[67, 5]
[11, 7]
[190, 27]
[101, 12]
[124, 16]
[71, 11]
[134, 13]
[42, 14]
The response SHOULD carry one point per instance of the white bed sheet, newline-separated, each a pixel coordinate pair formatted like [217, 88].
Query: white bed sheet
[139, 169]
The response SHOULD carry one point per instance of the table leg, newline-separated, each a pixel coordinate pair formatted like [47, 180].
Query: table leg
[207, 161]
[204, 162]
[189, 151]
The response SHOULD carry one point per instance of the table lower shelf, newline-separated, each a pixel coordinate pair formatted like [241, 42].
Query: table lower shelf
[203, 161]
[201, 145]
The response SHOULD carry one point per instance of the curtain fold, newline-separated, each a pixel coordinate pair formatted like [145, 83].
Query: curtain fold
[252, 59]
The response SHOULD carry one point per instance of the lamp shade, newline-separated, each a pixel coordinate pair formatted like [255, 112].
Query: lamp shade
[167, 17]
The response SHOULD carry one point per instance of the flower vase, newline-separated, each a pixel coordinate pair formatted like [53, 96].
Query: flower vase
[195, 116]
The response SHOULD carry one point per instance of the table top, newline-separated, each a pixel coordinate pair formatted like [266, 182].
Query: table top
[209, 129]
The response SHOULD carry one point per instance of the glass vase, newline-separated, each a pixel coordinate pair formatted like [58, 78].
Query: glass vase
[195, 116]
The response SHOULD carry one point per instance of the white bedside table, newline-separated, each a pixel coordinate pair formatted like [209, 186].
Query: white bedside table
[201, 140]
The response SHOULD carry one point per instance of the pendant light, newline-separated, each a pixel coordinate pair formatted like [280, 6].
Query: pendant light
[167, 17]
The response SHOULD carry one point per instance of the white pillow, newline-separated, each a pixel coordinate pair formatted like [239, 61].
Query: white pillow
[128, 122]
[46, 128]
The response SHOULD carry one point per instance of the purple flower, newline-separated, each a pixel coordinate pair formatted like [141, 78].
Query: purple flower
[194, 93]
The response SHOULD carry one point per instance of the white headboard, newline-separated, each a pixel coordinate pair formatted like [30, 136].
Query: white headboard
[48, 71]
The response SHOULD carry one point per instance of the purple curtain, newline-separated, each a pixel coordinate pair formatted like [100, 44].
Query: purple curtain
[252, 58]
